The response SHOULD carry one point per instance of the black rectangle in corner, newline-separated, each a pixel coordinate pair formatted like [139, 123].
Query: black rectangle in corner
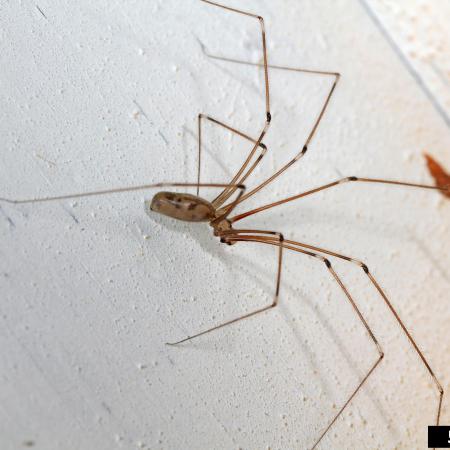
[439, 437]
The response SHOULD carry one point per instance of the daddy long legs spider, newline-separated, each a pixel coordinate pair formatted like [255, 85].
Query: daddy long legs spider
[219, 214]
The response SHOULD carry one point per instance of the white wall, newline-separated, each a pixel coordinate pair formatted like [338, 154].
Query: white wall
[106, 94]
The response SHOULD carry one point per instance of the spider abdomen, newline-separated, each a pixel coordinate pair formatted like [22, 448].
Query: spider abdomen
[187, 207]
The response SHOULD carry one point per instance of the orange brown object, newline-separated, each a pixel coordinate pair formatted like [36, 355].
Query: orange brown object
[441, 177]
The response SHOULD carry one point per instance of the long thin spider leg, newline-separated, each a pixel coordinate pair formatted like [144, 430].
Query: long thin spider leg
[278, 238]
[383, 295]
[330, 185]
[233, 130]
[292, 245]
[221, 198]
[120, 190]
[305, 146]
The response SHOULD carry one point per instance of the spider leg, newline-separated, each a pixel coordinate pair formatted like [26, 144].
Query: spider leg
[233, 130]
[226, 236]
[388, 303]
[333, 184]
[141, 187]
[222, 197]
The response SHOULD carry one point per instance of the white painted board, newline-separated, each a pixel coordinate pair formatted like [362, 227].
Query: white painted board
[106, 94]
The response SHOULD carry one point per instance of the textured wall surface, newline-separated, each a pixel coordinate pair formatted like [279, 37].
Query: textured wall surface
[106, 94]
[419, 32]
